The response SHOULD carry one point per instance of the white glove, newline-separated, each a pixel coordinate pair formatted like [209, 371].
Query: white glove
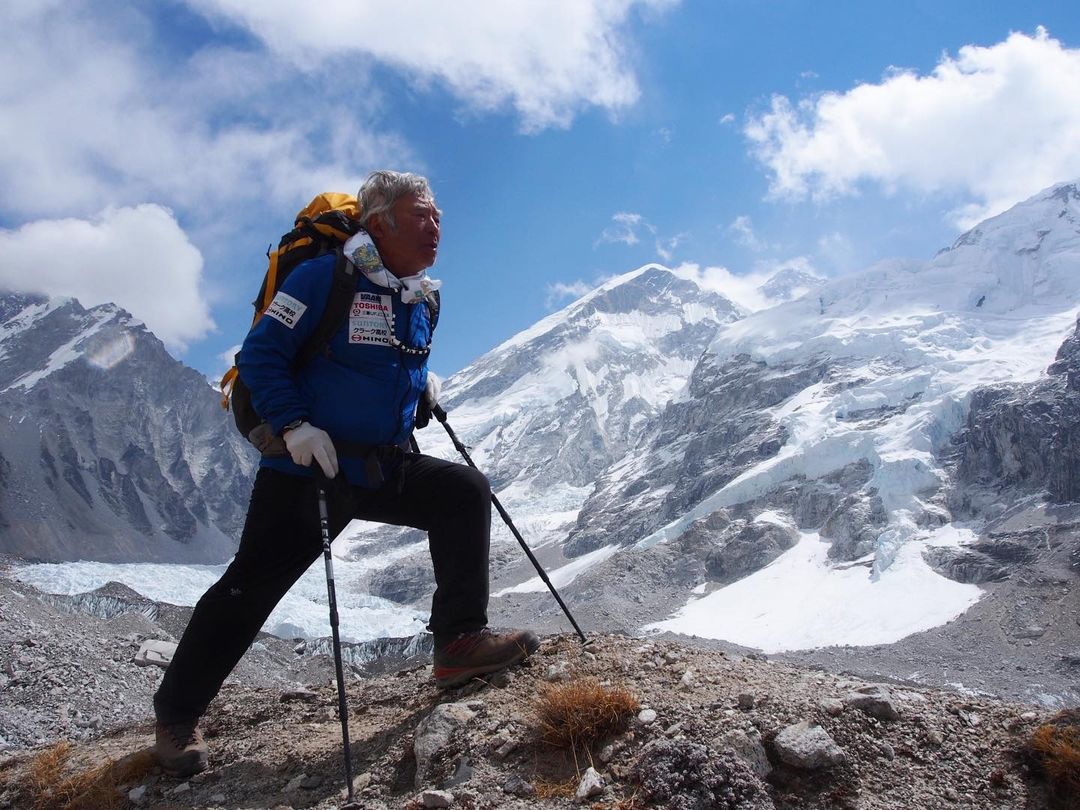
[432, 389]
[308, 442]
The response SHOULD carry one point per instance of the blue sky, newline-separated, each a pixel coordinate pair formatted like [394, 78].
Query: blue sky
[150, 151]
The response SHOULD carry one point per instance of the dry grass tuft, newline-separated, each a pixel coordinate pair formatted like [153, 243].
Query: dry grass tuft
[555, 789]
[53, 782]
[581, 712]
[1056, 746]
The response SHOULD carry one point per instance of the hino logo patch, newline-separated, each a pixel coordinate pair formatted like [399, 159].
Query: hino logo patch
[286, 309]
[371, 320]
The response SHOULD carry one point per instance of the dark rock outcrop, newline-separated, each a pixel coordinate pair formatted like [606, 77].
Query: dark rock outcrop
[965, 565]
[699, 444]
[1024, 437]
[742, 547]
[404, 581]
[854, 525]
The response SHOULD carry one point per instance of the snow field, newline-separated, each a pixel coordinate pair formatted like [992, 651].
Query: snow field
[302, 613]
[801, 601]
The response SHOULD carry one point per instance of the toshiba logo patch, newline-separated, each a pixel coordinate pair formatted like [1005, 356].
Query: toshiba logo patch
[371, 320]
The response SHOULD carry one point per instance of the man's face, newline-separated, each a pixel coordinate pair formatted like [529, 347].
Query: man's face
[413, 244]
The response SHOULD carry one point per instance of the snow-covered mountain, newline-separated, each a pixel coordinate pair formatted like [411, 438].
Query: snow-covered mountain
[877, 369]
[109, 448]
[781, 488]
[548, 411]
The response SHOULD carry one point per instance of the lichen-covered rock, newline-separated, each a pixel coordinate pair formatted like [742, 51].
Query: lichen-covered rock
[747, 747]
[591, 785]
[682, 775]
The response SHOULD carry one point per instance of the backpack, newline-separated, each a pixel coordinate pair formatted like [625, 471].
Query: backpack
[323, 226]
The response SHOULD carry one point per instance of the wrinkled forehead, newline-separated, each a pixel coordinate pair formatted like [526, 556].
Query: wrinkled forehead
[416, 202]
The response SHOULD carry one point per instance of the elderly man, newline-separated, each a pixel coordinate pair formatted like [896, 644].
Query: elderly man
[352, 405]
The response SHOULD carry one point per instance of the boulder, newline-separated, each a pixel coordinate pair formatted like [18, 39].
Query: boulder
[748, 748]
[434, 735]
[808, 747]
[592, 784]
[876, 701]
[154, 652]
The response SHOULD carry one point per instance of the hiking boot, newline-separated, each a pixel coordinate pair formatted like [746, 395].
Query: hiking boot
[180, 748]
[461, 658]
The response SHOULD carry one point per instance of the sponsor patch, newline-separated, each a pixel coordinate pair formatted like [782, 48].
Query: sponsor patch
[286, 309]
[371, 320]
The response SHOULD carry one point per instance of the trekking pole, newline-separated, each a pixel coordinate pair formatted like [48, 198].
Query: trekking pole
[440, 414]
[343, 710]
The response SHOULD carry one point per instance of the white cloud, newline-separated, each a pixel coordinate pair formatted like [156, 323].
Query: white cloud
[137, 257]
[625, 229]
[745, 288]
[666, 247]
[742, 231]
[995, 124]
[226, 360]
[562, 291]
[728, 118]
[628, 228]
[94, 116]
[548, 59]
[837, 250]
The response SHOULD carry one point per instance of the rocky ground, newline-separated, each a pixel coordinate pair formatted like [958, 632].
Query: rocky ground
[713, 729]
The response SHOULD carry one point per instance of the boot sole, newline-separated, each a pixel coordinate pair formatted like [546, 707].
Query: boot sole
[185, 768]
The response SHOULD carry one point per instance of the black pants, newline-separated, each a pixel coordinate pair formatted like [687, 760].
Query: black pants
[281, 540]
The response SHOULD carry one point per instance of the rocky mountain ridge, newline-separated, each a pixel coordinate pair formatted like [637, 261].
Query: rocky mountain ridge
[109, 448]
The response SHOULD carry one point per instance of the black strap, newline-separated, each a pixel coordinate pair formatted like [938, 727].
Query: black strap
[374, 456]
[342, 290]
[434, 303]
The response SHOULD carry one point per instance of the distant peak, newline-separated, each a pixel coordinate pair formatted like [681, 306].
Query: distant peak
[1065, 191]
[1031, 211]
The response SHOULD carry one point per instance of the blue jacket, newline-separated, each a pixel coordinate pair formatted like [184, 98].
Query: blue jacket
[364, 390]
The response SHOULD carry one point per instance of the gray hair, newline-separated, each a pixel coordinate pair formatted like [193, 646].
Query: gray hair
[384, 188]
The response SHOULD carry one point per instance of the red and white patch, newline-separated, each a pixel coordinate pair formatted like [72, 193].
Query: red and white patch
[371, 320]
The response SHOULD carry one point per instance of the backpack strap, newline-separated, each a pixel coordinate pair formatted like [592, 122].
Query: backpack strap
[342, 291]
[434, 303]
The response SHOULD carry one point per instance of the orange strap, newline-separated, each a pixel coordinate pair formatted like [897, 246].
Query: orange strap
[226, 386]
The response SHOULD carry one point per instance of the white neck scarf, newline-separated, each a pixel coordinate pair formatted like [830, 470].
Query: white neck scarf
[361, 251]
